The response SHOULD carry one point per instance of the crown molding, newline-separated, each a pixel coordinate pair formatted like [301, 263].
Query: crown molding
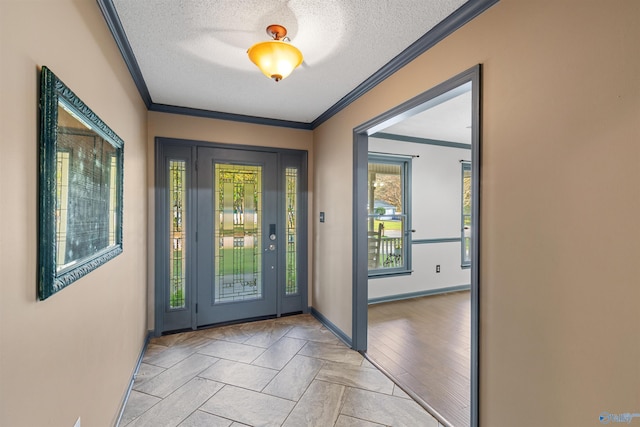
[115, 26]
[172, 109]
[418, 140]
[457, 19]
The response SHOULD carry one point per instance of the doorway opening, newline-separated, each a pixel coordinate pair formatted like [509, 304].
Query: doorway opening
[395, 127]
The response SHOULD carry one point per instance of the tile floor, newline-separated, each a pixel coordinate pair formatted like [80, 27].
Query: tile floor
[289, 372]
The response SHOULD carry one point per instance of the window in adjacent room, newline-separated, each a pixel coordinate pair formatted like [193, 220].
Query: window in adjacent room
[388, 215]
[466, 214]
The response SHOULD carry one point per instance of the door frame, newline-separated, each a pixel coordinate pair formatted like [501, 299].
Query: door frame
[360, 275]
[284, 157]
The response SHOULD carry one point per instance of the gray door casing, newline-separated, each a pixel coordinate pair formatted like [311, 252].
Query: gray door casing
[360, 167]
[187, 150]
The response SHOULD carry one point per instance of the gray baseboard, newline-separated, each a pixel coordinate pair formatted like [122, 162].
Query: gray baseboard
[330, 326]
[428, 292]
[133, 377]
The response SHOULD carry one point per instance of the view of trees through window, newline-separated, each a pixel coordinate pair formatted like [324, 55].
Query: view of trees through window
[387, 216]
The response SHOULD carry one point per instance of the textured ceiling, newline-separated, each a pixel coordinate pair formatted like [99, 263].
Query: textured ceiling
[192, 53]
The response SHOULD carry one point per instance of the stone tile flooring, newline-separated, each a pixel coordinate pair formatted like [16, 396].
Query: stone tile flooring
[289, 372]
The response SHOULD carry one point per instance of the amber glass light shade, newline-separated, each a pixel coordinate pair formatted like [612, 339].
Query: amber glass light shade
[275, 58]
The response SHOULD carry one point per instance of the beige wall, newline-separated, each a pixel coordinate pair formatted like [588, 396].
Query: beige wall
[216, 131]
[559, 289]
[560, 294]
[73, 354]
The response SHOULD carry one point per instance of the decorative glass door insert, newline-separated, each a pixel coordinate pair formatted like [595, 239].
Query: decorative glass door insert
[177, 237]
[291, 204]
[238, 233]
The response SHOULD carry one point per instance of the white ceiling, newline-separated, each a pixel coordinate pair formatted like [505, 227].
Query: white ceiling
[192, 53]
[447, 118]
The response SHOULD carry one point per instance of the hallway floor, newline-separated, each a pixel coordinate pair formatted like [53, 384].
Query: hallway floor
[290, 372]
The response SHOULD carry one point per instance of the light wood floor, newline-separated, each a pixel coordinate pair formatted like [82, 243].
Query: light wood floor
[425, 344]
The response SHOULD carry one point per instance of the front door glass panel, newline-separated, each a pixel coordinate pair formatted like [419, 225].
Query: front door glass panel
[237, 233]
[177, 237]
[291, 230]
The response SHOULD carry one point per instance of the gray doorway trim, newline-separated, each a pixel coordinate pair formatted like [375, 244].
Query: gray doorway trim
[360, 162]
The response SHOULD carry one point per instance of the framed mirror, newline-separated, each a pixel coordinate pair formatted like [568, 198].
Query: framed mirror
[81, 174]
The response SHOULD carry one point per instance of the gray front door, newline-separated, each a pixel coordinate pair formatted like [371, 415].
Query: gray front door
[231, 234]
[237, 241]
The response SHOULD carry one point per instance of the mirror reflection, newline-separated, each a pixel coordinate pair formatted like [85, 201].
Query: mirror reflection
[86, 172]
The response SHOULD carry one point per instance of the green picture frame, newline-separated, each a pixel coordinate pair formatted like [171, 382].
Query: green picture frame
[80, 188]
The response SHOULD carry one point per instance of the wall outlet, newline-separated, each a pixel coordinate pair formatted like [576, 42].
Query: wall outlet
[438, 268]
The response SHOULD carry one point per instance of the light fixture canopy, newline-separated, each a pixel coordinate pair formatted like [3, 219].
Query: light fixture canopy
[275, 58]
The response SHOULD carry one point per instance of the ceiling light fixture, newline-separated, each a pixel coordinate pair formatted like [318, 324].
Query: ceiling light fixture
[275, 58]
